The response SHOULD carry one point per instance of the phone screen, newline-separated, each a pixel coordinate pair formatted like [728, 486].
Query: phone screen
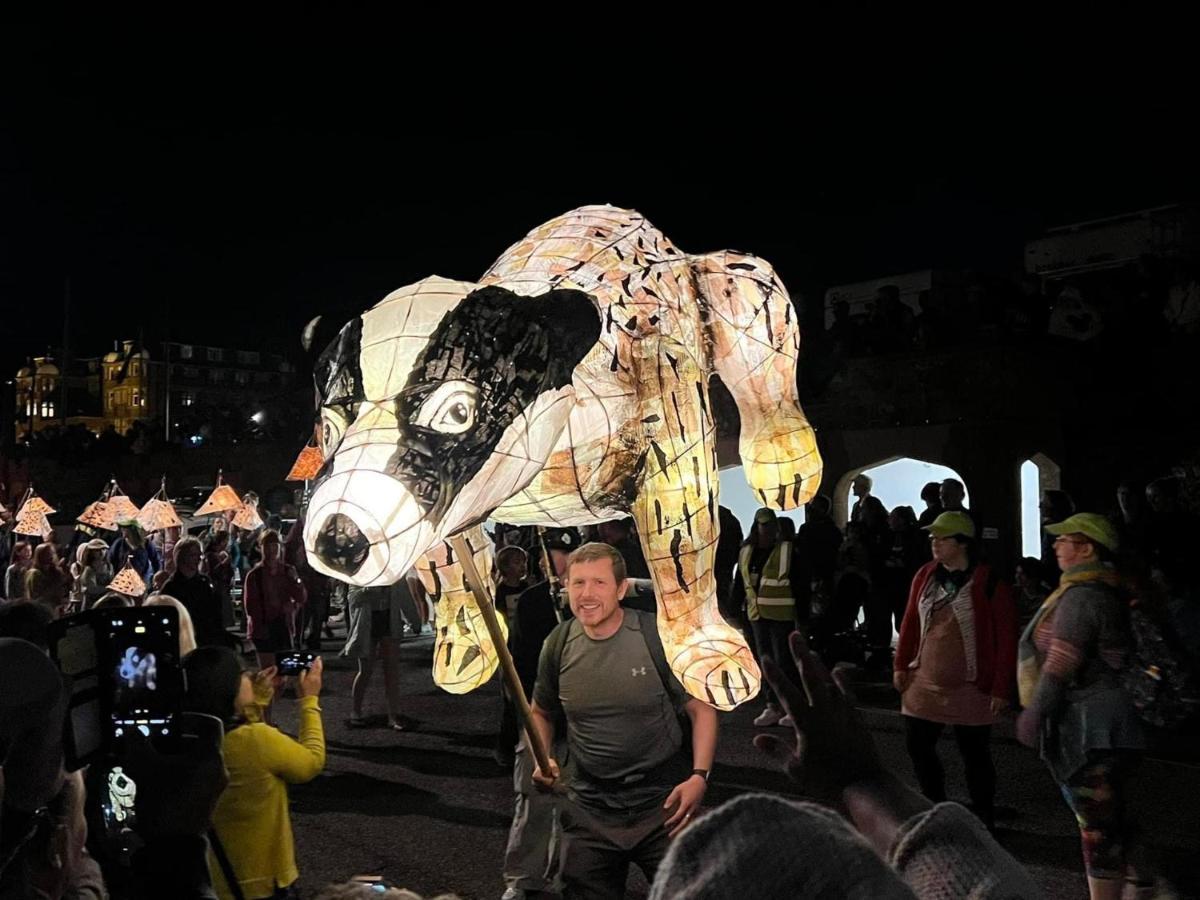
[141, 659]
[294, 662]
[117, 802]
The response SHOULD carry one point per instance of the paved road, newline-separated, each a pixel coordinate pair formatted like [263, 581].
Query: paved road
[429, 809]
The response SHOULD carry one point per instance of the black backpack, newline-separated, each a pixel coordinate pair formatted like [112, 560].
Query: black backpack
[1159, 676]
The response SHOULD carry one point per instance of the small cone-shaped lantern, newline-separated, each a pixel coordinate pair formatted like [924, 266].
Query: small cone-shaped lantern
[122, 507]
[307, 464]
[128, 582]
[33, 524]
[247, 517]
[223, 499]
[34, 504]
[98, 515]
[159, 513]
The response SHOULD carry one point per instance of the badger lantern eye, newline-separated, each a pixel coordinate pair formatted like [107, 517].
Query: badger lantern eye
[450, 409]
[333, 428]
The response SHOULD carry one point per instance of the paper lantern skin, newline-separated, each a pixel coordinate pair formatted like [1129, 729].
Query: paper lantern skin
[223, 499]
[158, 515]
[128, 582]
[568, 386]
[35, 505]
[33, 524]
[121, 507]
[307, 464]
[247, 518]
[98, 515]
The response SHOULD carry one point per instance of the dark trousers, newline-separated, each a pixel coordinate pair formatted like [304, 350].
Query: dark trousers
[771, 639]
[597, 850]
[316, 611]
[974, 743]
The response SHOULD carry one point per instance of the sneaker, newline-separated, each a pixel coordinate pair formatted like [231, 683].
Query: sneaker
[768, 717]
[786, 722]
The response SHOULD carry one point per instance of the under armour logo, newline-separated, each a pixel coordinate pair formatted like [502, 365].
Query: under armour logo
[636, 673]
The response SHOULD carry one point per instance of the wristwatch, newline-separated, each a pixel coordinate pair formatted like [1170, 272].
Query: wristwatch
[703, 773]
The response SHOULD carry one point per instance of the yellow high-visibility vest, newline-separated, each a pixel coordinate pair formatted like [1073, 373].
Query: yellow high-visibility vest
[772, 597]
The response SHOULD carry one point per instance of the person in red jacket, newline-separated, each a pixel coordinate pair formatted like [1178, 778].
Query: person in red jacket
[274, 594]
[955, 661]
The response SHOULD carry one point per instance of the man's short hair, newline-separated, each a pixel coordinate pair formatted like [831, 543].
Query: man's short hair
[595, 551]
[863, 478]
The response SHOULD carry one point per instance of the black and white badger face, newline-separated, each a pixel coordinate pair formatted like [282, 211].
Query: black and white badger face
[437, 405]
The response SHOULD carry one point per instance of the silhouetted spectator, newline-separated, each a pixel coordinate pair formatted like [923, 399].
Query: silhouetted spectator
[1174, 532]
[1029, 589]
[845, 331]
[1055, 506]
[931, 496]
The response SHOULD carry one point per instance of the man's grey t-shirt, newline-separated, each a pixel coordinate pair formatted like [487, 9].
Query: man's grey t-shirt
[621, 722]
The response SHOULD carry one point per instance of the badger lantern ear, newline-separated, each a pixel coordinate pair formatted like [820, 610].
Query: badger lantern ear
[309, 334]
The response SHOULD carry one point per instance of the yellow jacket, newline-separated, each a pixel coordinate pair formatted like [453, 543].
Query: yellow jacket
[251, 818]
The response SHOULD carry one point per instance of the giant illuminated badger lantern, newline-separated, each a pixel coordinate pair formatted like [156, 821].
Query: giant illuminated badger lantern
[568, 386]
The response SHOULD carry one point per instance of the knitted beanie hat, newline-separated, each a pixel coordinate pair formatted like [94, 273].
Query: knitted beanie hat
[764, 846]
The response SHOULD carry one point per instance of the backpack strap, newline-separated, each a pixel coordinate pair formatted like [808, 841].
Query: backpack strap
[649, 629]
[555, 642]
[218, 849]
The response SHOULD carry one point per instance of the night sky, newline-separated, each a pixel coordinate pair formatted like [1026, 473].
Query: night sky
[228, 197]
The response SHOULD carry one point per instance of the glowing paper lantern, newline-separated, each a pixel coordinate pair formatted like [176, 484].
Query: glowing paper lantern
[307, 464]
[98, 515]
[247, 517]
[128, 582]
[158, 515]
[122, 508]
[568, 386]
[33, 505]
[34, 524]
[222, 499]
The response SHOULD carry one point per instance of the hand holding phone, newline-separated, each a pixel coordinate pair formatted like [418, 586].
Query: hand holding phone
[309, 683]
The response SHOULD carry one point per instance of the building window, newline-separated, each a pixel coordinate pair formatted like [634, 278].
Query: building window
[214, 354]
[185, 351]
[191, 372]
[262, 377]
[248, 357]
[47, 409]
[28, 408]
[137, 399]
[187, 399]
[134, 368]
[242, 378]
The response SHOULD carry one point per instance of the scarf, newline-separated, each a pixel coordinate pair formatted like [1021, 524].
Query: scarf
[1029, 669]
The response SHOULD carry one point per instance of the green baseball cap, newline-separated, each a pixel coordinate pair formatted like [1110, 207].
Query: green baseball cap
[765, 516]
[1095, 527]
[949, 524]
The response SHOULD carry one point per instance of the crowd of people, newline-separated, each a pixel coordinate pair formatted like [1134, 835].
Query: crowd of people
[1150, 302]
[624, 762]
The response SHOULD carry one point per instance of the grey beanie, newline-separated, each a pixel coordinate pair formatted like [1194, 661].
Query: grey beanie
[763, 846]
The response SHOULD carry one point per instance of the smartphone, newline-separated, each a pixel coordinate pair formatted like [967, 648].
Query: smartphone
[293, 662]
[118, 802]
[73, 648]
[138, 655]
